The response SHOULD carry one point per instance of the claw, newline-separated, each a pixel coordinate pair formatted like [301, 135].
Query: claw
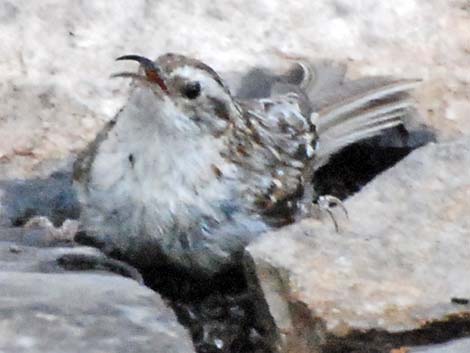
[327, 203]
[330, 201]
[333, 219]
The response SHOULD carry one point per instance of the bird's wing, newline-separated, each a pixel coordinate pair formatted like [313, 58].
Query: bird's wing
[348, 111]
[84, 161]
[302, 117]
[274, 141]
[343, 111]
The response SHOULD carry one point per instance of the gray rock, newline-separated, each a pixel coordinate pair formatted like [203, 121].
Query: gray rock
[58, 313]
[399, 265]
[14, 257]
[46, 308]
[40, 232]
[39, 246]
[52, 197]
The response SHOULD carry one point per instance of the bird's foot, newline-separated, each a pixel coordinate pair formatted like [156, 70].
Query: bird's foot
[326, 203]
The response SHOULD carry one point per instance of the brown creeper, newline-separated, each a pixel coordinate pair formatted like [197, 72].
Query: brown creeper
[187, 174]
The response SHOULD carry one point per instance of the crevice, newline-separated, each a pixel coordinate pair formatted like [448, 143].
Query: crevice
[219, 312]
[309, 332]
[87, 262]
[356, 165]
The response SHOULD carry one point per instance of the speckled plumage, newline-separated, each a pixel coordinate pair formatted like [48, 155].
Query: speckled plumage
[191, 180]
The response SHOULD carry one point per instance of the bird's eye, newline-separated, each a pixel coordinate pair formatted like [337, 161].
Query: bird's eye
[191, 90]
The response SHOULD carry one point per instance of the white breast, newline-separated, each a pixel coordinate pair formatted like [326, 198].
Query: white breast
[154, 176]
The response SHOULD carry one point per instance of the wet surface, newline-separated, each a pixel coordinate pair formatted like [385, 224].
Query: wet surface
[219, 313]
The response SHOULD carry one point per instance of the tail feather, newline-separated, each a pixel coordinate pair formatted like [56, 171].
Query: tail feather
[363, 110]
[347, 111]
[353, 122]
[344, 131]
[334, 113]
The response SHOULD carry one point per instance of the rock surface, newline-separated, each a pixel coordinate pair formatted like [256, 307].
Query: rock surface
[45, 308]
[394, 276]
[457, 346]
[51, 197]
[58, 55]
[85, 313]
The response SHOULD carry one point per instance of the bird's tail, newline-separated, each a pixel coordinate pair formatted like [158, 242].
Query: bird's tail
[346, 112]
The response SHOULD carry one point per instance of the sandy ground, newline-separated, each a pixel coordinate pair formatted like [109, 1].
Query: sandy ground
[57, 56]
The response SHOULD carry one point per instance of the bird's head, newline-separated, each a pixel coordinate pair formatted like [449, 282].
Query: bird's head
[192, 92]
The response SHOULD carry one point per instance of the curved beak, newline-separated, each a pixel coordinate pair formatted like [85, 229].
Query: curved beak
[152, 71]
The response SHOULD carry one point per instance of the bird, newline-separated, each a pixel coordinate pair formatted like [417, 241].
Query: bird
[188, 173]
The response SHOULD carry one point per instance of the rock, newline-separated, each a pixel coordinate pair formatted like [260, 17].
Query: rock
[85, 313]
[47, 308]
[41, 233]
[52, 197]
[21, 258]
[56, 93]
[457, 346]
[395, 274]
